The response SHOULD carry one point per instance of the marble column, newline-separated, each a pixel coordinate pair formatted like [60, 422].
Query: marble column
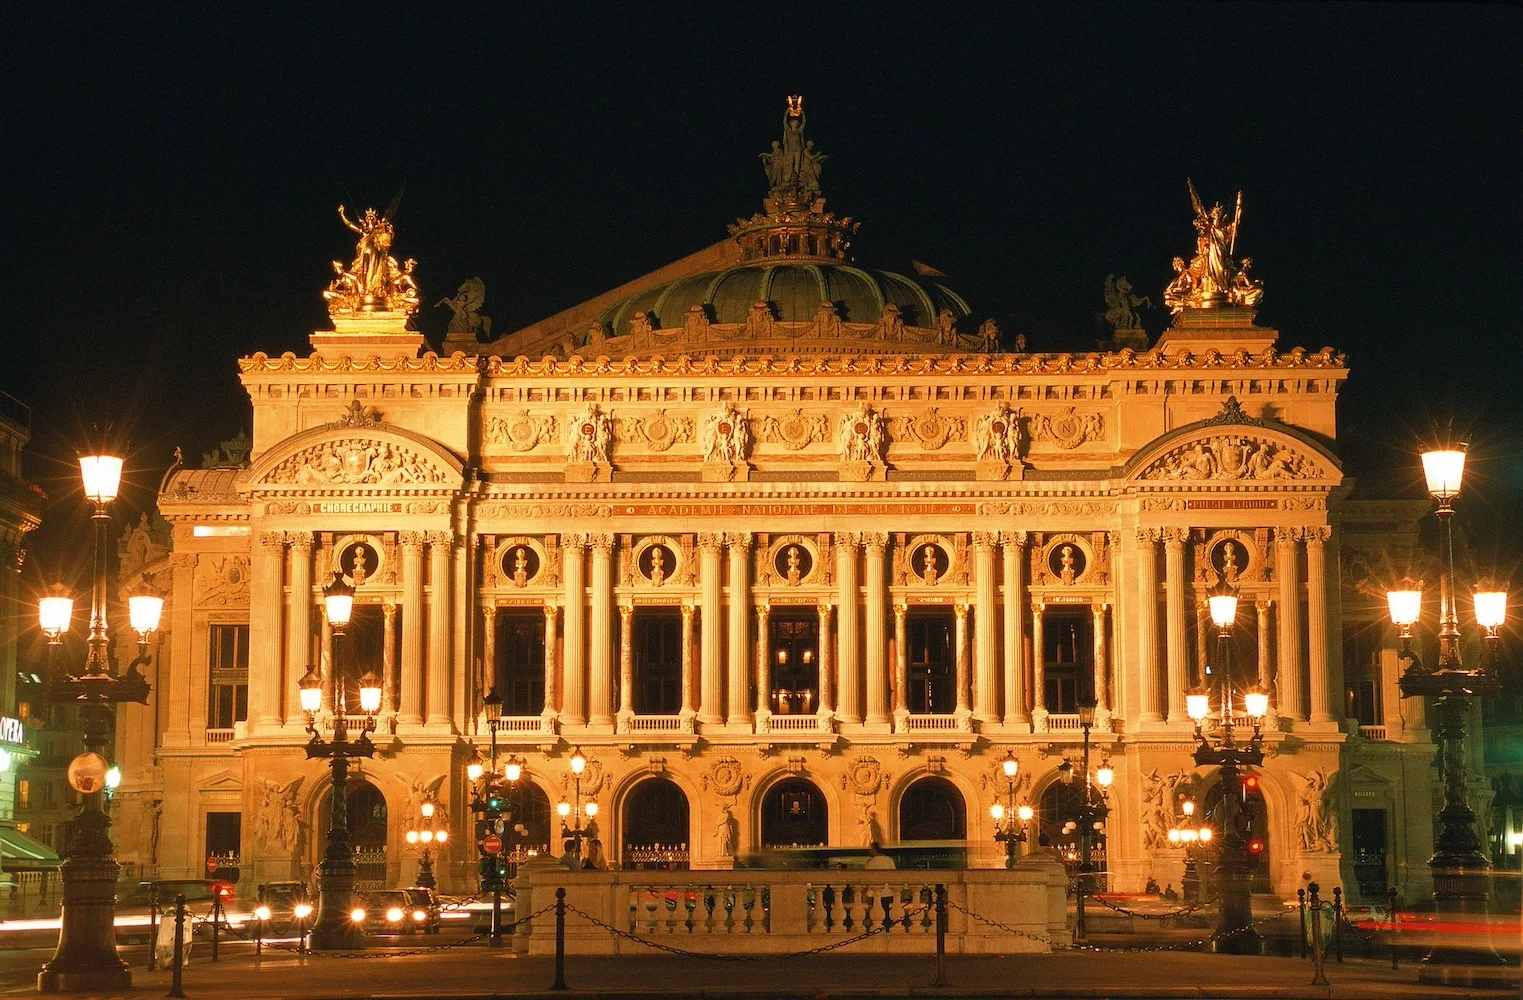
[1323, 697]
[739, 710]
[1147, 626]
[574, 643]
[1205, 629]
[1288, 662]
[960, 652]
[182, 618]
[1176, 585]
[298, 625]
[985, 635]
[689, 704]
[1038, 668]
[1262, 606]
[388, 658]
[327, 666]
[410, 712]
[763, 663]
[486, 681]
[600, 627]
[901, 666]
[827, 665]
[873, 625]
[1014, 544]
[626, 665]
[552, 660]
[848, 651]
[441, 628]
[711, 599]
[265, 605]
[1102, 658]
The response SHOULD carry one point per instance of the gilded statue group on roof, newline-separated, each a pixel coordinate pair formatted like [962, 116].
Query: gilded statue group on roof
[374, 282]
[1213, 278]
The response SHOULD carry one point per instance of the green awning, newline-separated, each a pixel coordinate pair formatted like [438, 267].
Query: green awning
[19, 852]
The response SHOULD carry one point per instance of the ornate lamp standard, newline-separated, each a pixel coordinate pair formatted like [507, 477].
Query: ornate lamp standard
[578, 829]
[425, 832]
[1188, 833]
[1006, 829]
[86, 958]
[1461, 870]
[488, 802]
[1234, 926]
[335, 928]
[1091, 814]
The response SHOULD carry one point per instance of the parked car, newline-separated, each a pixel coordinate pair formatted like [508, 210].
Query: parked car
[284, 910]
[198, 893]
[398, 911]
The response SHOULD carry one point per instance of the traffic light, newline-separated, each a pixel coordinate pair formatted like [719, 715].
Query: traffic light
[1255, 846]
[1250, 786]
[494, 802]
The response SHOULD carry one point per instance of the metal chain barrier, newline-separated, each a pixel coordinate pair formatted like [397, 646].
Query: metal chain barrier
[1181, 946]
[1172, 914]
[1017, 932]
[674, 950]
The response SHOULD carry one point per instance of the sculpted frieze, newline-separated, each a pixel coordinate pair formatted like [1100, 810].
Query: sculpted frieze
[794, 431]
[1233, 457]
[860, 437]
[589, 436]
[658, 431]
[1069, 428]
[222, 581]
[1055, 508]
[521, 432]
[929, 428]
[357, 461]
[726, 437]
[997, 436]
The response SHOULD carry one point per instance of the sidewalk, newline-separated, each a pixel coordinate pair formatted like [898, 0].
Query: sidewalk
[477, 972]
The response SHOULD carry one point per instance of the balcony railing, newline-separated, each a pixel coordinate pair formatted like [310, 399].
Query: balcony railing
[655, 723]
[930, 723]
[519, 724]
[219, 736]
[1373, 732]
[1063, 724]
[794, 723]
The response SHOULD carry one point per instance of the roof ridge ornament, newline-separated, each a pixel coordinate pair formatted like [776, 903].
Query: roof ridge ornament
[1213, 278]
[1233, 413]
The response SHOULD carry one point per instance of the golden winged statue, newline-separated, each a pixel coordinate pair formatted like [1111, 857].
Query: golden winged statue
[374, 282]
[1213, 278]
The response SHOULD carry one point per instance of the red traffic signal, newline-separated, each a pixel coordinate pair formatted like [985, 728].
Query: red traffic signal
[1255, 846]
[1251, 782]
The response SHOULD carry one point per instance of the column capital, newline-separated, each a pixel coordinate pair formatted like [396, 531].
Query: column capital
[1017, 539]
[626, 612]
[1149, 535]
[601, 544]
[985, 539]
[490, 611]
[848, 541]
[961, 609]
[441, 539]
[689, 609]
[389, 611]
[1038, 607]
[875, 541]
[763, 610]
[1319, 534]
[273, 540]
[301, 541]
[1287, 534]
[1099, 609]
[825, 608]
[1264, 604]
[551, 610]
[738, 540]
[412, 541]
[710, 541]
[1175, 537]
[901, 609]
[182, 560]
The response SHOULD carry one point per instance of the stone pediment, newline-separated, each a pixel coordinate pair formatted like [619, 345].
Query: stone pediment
[1234, 449]
[356, 458]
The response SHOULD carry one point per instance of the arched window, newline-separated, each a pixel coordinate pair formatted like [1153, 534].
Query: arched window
[794, 815]
[656, 826]
[932, 809]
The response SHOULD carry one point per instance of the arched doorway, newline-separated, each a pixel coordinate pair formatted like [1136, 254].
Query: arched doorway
[1253, 824]
[932, 809]
[1057, 814]
[368, 831]
[655, 826]
[794, 814]
[531, 827]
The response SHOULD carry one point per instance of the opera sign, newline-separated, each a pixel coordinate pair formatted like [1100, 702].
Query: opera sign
[11, 730]
[87, 773]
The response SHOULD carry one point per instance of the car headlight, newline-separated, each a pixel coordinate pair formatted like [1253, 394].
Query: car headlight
[262, 913]
[419, 915]
[302, 911]
[357, 915]
[394, 915]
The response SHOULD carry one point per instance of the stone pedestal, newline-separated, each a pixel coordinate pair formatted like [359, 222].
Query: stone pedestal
[862, 472]
[588, 472]
[1227, 329]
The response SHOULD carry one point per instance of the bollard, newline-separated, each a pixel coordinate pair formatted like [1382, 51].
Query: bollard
[1338, 924]
[153, 926]
[216, 916]
[496, 941]
[1391, 899]
[1318, 972]
[175, 989]
[1301, 900]
[560, 940]
[941, 934]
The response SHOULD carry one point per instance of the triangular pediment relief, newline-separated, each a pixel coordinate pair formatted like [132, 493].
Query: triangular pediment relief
[349, 458]
[1235, 449]
[221, 781]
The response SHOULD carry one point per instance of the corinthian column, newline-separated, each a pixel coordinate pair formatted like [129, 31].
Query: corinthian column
[265, 602]
[848, 659]
[182, 610]
[688, 702]
[763, 666]
[827, 668]
[1038, 671]
[486, 682]
[574, 648]
[1014, 543]
[984, 636]
[626, 666]
[441, 632]
[873, 624]
[740, 628]
[1288, 666]
[1262, 606]
[1147, 625]
[1323, 697]
[710, 687]
[600, 633]
[389, 658]
[901, 667]
[552, 661]
[1102, 658]
[1178, 653]
[298, 624]
[960, 651]
[411, 711]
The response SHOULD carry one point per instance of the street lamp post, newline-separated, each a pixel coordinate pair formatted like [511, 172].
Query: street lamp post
[1187, 833]
[335, 928]
[424, 833]
[1234, 926]
[1091, 816]
[489, 803]
[1009, 819]
[576, 821]
[1461, 870]
[86, 958]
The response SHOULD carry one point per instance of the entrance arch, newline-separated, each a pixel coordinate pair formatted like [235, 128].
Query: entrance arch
[932, 808]
[1056, 813]
[533, 807]
[1255, 825]
[655, 826]
[369, 831]
[794, 814]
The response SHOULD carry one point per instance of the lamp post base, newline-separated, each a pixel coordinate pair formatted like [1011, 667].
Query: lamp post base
[86, 959]
[84, 981]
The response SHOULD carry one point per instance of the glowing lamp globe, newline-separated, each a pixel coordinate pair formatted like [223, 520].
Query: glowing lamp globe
[113, 778]
[564, 809]
[412, 836]
[1011, 765]
[1257, 704]
[55, 611]
[592, 808]
[1188, 807]
[1444, 469]
[427, 836]
[474, 771]
[1490, 609]
[1174, 836]
[440, 836]
[102, 475]
[427, 808]
[311, 687]
[1406, 603]
[513, 770]
[143, 611]
[1197, 705]
[997, 811]
[578, 762]
[370, 693]
[1205, 835]
[1025, 813]
[1104, 776]
[338, 600]
[1222, 602]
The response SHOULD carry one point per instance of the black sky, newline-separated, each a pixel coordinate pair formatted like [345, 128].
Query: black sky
[170, 185]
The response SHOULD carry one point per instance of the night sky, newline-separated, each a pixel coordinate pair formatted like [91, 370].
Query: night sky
[170, 188]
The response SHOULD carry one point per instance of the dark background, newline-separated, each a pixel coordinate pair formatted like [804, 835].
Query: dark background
[170, 185]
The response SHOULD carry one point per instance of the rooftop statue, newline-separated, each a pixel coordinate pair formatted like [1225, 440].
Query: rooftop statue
[466, 306]
[1121, 305]
[375, 282]
[1213, 278]
[793, 166]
